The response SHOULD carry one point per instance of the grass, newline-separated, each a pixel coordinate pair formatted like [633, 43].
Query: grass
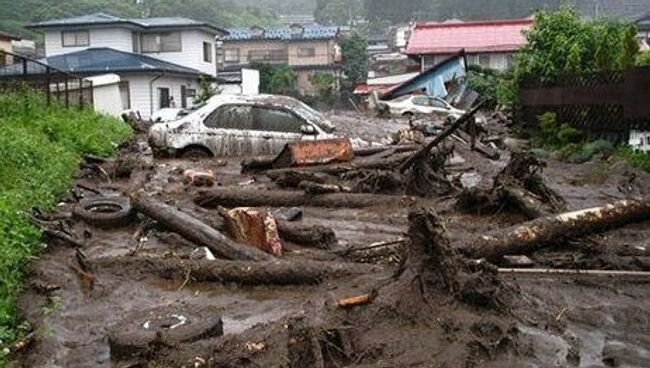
[41, 149]
[637, 159]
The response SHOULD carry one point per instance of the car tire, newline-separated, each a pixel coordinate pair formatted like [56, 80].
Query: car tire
[195, 153]
[105, 212]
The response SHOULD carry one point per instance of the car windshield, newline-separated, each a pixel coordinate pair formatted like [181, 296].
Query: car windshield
[310, 114]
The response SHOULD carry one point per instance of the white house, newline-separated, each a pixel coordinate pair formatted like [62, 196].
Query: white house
[159, 60]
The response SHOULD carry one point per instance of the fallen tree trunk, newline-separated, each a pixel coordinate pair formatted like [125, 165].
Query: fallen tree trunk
[388, 163]
[239, 197]
[295, 272]
[195, 230]
[530, 236]
[317, 236]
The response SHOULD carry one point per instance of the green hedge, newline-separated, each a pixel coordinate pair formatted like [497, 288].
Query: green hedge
[41, 149]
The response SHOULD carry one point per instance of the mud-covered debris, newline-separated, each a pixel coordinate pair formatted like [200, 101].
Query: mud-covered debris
[199, 178]
[254, 227]
[142, 334]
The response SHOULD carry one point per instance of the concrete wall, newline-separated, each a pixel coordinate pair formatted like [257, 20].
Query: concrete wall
[145, 98]
[106, 94]
[115, 38]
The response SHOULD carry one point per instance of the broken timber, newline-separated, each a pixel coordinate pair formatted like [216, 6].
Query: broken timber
[530, 236]
[195, 230]
[278, 198]
[424, 151]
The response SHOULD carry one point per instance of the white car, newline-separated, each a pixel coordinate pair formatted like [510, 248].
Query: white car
[237, 125]
[412, 105]
[168, 114]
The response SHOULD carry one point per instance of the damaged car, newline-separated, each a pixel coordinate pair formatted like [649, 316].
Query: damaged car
[237, 125]
[412, 105]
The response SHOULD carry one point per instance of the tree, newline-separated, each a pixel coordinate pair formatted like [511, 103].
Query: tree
[206, 90]
[337, 12]
[560, 42]
[280, 80]
[355, 59]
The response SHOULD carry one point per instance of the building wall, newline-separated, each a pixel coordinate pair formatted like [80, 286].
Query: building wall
[115, 38]
[145, 97]
[324, 51]
[497, 61]
[5, 45]
[191, 55]
[121, 39]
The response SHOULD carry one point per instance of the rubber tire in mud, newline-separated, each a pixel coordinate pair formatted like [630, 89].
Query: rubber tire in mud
[120, 212]
[195, 153]
[141, 334]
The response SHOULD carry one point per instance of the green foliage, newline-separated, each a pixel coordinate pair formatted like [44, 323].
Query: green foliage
[355, 59]
[485, 81]
[553, 134]
[206, 90]
[337, 12]
[325, 85]
[41, 149]
[276, 79]
[636, 158]
[561, 42]
[643, 59]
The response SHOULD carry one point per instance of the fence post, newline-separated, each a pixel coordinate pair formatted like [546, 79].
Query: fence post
[67, 93]
[47, 85]
[81, 94]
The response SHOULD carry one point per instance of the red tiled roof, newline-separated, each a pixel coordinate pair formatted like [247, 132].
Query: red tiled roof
[478, 36]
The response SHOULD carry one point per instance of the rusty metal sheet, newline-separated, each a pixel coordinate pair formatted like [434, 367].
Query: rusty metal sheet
[319, 152]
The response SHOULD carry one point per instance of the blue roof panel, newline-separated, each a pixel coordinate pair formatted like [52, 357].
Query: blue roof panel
[284, 34]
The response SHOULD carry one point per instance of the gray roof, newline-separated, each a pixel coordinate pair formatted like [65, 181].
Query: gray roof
[7, 35]
[644, 22]
[104, 60]
[312, 32]
[102, 19]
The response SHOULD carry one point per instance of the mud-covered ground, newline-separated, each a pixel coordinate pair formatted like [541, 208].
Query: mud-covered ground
[538, 321]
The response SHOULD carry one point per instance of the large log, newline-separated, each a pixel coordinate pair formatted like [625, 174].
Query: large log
[388, 163]
[195, 230]
[295, 272]
[317, 236]
[238, 197]
[533, 235]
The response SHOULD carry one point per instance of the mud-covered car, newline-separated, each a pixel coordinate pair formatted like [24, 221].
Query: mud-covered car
[236, 125]
[418, 105]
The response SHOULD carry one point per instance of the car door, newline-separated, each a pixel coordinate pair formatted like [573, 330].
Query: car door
[227, 131]
[421, 104]
[275, 127]
[439, 108]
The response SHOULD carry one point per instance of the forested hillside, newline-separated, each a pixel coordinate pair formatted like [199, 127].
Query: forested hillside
[225, 13]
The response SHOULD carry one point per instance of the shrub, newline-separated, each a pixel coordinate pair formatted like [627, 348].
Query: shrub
[643, 59]
[636, 158]
[42, 147]
[553, 134]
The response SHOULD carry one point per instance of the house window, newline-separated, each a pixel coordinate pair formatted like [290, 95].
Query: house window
[510, 60]
[207, 52]
[161, 42]
[187, 97]
[165, 98]
[306, 52]
[484, 60]
[278, 55]
[231, 56]
[135, 38]
[125, 95]
[75, 38]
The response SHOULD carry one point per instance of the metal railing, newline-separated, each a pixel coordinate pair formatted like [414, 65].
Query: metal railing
[20, 72]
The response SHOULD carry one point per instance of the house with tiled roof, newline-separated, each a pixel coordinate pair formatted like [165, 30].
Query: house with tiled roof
[490, 44]
[159, 60]
[308, 49]
[5, 45]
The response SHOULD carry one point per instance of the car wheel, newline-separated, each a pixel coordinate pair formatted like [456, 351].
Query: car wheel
[105, 212]
[195, 152]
